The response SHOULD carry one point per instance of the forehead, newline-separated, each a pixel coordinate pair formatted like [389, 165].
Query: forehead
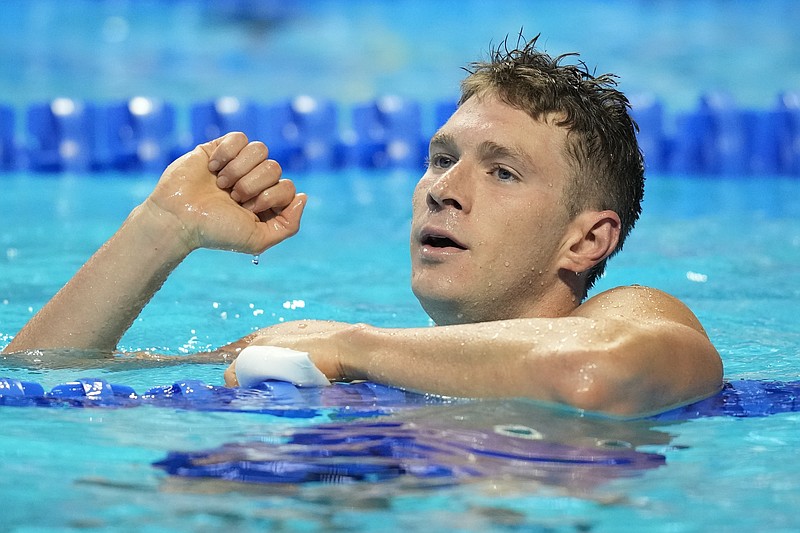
[487, 117]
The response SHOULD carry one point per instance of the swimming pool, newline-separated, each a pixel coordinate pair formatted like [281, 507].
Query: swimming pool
[727, 247]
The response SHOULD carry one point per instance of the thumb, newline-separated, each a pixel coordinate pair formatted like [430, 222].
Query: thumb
[230, 375]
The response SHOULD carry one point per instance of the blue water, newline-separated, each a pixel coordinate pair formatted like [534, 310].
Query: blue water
[727, 246]
[190, 50]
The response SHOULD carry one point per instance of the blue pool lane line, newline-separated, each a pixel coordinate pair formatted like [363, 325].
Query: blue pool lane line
[366, 449]
[277, 398]
[716, 137]
[738, 398]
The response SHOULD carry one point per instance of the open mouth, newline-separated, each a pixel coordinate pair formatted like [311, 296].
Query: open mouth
[441, 241]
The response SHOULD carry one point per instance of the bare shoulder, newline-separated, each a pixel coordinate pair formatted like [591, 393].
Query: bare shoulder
[664, 357]
[639, 303]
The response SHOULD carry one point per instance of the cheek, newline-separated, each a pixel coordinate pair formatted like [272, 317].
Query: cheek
[517, 238]
[418, 195]
[422, 185]
[418, 198]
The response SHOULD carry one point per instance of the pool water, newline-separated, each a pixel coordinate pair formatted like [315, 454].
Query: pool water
[190, 50]
[729, 247]
[726, 247]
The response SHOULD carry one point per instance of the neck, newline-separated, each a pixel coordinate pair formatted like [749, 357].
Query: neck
[560, 301]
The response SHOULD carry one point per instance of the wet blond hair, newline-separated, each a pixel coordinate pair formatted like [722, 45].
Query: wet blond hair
[608, 169]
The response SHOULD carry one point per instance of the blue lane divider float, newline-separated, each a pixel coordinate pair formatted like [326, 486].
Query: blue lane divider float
[430, 452]
[369, 449]
[717, 137]
[739, 398]
[343, 400]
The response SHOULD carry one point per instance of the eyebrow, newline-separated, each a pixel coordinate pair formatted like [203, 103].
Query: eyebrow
[487, 149]
[443, 139]
[492, 150]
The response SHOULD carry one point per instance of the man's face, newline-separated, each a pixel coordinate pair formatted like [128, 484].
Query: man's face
[488, 225]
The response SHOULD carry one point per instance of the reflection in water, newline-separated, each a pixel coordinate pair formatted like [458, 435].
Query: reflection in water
[436, 445]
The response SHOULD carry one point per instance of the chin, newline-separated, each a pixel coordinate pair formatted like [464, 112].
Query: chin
[445, 310]
[441, 309]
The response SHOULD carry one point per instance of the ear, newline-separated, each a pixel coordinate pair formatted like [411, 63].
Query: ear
[593, 236]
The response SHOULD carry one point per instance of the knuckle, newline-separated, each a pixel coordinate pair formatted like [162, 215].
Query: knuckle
[288, 185]
[273, 166]
[258, 145]
[244, 187]
[256, 152]
[238, 136]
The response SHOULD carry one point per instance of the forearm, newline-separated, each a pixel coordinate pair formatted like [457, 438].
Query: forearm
[95, 308]
[608, 366]
[497, 359]
[224, 194]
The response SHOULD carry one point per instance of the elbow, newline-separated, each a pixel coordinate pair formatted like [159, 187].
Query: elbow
[601, 380]
[640, 372]
[606, 385]
[620, 392]
[590, 389]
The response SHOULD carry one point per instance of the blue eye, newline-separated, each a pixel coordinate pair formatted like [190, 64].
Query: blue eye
[441, 161]
[503, 174]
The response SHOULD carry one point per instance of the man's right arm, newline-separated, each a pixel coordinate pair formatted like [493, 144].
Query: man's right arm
[224, 194]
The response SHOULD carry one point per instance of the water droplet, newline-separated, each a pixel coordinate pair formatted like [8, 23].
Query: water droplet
[255, 259]
[507, 263]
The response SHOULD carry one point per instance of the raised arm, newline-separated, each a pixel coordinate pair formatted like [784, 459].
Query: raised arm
[627, 352]
[224, 194]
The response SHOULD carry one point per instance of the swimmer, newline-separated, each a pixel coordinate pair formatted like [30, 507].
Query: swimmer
[532, 185]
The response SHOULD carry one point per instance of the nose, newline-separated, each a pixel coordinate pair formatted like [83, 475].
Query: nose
[448, 190]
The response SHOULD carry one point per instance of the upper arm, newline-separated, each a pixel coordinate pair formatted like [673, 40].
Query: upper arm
[663, 358]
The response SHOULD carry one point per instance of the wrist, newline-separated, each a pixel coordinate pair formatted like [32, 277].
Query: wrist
[357, 351]
[160, 232]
